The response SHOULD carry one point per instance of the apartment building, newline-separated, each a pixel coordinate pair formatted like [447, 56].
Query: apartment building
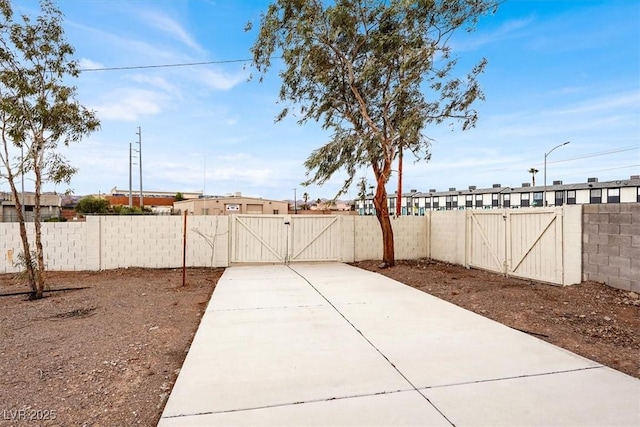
[557, 194]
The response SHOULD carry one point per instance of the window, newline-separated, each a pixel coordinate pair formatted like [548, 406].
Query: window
[537, 198]
[478, 200]
[427, 203]
[571, 197]
[205, 211]
[559, 198]
[638, 195]
[276, 211]
[524, 200]
[454, 202]
[506, 201]
[468, 201]
[448, 202]
[613, 195]
[436, 202]
[495, 200]
[595, 195]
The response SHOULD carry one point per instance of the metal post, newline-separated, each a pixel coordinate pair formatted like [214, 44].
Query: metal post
[140, 163]
[295, 201]
[130, 173]
[544, 194]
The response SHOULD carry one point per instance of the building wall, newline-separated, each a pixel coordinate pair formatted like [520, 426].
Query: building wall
[611, 244]
[223, 206]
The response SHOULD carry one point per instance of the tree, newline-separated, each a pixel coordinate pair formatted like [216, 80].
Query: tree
[92, 204]
[179, 196]
[373, 72]
[37, 113]
[533, 172]
[305, 197]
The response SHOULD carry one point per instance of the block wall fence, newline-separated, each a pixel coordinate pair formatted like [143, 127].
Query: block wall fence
[611, 244]
[608, 242]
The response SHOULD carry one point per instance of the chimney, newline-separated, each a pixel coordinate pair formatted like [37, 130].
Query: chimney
[526, 184]
[497, 185]
[592, 179]
[557, 182]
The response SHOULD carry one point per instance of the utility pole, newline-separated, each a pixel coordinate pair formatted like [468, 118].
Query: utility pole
[130, 160]
[399, 198]
[140, 163]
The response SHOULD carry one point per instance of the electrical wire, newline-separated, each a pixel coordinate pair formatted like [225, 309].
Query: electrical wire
[181, 64]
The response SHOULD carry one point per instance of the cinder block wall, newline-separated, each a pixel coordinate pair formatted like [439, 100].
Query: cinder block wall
[448, 234]
[410, 234]
[611, 244]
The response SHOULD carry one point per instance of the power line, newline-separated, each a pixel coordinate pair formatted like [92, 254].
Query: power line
[181, 64]
[602, 170]
[601, 153]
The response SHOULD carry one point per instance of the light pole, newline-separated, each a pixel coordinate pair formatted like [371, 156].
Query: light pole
[544, 194]
[295, 201]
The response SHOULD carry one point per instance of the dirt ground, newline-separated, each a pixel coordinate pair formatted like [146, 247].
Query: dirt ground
[590, 319]
[109, 354]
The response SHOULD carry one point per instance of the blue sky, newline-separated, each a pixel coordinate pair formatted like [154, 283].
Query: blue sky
[558, 71]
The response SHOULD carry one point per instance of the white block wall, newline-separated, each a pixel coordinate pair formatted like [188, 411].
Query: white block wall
[104, 242]
[448, 236]
[410, 233]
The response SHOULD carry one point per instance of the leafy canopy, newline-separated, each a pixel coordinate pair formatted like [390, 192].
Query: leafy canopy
[375, 73]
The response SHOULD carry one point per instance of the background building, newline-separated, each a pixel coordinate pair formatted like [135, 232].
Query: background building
[557, 194]
[236, 204]
[50, 206]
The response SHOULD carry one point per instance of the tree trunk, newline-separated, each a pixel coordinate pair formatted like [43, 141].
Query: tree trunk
[26, 249]
[39, 273]
[382, 213]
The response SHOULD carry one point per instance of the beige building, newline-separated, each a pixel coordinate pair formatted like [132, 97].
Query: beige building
[50, 204]
[236, 204]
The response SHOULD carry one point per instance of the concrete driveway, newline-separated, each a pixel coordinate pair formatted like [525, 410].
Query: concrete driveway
[330, 344]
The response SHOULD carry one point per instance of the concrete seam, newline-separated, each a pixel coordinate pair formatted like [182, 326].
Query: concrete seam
[280, 405]
[489, 380]
[374, 347]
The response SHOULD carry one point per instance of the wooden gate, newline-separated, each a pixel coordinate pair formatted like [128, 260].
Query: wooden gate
[284, 238]
[524, 243]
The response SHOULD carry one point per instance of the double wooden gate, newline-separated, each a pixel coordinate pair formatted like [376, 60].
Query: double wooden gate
[284, 238]
[527, 243]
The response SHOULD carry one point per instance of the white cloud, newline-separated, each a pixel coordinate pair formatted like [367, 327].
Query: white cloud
[220, 80]
[130, 104]
[87, 64]
[157, 82]
[171, 27]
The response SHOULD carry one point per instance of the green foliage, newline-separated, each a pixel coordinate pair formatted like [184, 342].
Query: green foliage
[374, 73]
[179, 196]
[38, 111]
[92, 205]
[126, 210]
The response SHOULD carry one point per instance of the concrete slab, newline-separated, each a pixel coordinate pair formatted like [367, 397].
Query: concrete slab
[396, 409]
[436, 343]
[254, 358]
[330, 344]
[265, 293]
[593, 397]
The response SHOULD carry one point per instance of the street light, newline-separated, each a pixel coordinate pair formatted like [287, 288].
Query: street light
[544, 195]
[295, 201]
